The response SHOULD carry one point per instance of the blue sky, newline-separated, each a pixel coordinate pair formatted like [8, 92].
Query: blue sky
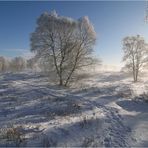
[112, 20]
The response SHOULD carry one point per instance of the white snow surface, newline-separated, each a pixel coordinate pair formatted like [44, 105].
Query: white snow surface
[98, 111]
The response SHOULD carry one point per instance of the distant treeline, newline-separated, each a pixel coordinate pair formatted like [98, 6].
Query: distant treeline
[19, 64]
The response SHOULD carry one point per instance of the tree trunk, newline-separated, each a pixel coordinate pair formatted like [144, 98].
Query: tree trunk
[137, 71]
[61, 82]
[69, 77]
[134, 74]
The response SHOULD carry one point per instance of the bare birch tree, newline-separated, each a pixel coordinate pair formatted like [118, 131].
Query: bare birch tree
[65, 42]
[135, 49]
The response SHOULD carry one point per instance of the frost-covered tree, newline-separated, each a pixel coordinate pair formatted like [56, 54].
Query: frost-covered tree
[135, 49]
[18, 64]
[30, 63]
[4, 64]
[66, 44]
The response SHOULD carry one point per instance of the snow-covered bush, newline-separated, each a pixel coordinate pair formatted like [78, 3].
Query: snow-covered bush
[47, 141]
[13, 137]
[88, 141]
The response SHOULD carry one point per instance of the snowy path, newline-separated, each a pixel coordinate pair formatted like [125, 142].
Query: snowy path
[115, 132]
[97, 115]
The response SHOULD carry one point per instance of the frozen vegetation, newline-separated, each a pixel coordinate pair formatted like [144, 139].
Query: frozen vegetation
[103, 109]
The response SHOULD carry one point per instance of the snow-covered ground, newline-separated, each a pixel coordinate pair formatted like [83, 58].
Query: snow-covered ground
[100, 110]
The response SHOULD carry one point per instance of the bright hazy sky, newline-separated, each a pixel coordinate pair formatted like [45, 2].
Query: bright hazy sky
[112, 20]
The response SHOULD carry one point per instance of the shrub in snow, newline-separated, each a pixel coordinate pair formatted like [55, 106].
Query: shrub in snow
[13, 137]
[47, 141]
[84, 122]
[88, 141]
